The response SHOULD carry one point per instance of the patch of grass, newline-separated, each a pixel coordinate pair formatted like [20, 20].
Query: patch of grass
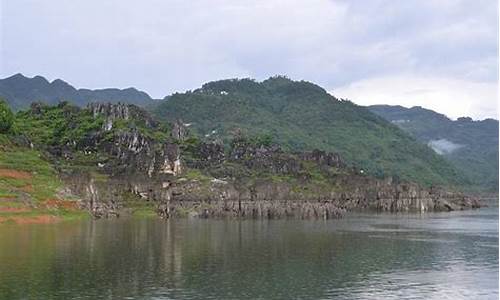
[145, 212]
[282, 178]
[4, 140]
[71, 215]
[42, 182]
[194, 174]
[17, 183]
[7, 194]
[138, 206]
[13, 204]
[7, 217]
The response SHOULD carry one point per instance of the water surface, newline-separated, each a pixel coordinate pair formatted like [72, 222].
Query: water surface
[363, 256]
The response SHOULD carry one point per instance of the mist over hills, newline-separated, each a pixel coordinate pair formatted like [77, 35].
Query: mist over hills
[472, 146]
[20, 91]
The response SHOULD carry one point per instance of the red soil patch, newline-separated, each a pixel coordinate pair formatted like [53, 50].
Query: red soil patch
[42, 219]
[15, 174]
[55, 203]
[14, 209]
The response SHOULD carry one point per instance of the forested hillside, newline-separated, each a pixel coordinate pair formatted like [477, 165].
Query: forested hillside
[472, 146]
[302, 116]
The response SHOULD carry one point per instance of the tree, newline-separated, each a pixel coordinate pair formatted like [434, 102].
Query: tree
[264, 140]
[6, 117]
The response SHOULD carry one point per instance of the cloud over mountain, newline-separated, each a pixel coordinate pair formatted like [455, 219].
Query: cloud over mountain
[166, 46]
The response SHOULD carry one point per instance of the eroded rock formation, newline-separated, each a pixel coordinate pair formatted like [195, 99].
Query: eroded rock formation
[246, 180]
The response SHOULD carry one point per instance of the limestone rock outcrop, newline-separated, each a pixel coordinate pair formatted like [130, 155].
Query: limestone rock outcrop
[188, 177]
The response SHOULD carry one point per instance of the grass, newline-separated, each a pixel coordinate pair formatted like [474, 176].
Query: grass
[27, 180]
[11, 204]
[32, 215]
[195, 174]
[42, 182]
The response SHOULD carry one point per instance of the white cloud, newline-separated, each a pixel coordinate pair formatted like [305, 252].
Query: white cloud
[453, 97]
[444, 146]
[162, 46]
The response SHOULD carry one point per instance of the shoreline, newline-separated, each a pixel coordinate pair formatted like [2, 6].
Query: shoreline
[310, 212]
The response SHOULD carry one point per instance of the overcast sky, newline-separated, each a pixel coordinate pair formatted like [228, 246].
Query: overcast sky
[439, 54]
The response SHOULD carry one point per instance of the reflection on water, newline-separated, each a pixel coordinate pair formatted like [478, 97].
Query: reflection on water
[431, 256]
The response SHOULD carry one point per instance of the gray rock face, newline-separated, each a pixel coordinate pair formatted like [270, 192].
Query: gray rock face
[111, 111]
[269, 209]
[133, 153]
[294, 185]
[365, 194]
[120, 111]
[270, 158]
[179, 131]
[175, 197]
[323, 158]
[209, 155]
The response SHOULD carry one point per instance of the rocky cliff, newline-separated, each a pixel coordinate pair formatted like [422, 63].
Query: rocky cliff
[124, 156]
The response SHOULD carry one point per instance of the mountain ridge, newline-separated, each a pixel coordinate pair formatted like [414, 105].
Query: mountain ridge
[302, 116]
[20, 91]
[418, 108]
[284, 106]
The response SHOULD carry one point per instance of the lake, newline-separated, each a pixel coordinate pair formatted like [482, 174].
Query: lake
[362, 256]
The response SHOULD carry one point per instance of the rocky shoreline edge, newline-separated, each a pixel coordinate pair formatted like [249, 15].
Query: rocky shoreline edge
[117, 159]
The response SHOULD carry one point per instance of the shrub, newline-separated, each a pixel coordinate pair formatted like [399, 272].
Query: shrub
[6, 117]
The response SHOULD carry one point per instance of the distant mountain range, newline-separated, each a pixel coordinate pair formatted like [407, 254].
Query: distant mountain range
[381, 140]
[472, 146]
[21, 91]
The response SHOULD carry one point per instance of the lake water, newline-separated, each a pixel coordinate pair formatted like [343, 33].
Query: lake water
[363, 256]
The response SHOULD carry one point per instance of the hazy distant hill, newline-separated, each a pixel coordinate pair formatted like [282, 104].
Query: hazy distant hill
[472, 146]
[303, 116]
[20, 91]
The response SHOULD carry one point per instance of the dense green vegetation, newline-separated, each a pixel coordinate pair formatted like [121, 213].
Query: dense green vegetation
[471, 146]
[56, 125]
[303, 116]
[66, 124]
[6, 117]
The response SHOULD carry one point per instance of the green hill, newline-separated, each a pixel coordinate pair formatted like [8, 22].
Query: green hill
[472, 146]
[302, 116]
